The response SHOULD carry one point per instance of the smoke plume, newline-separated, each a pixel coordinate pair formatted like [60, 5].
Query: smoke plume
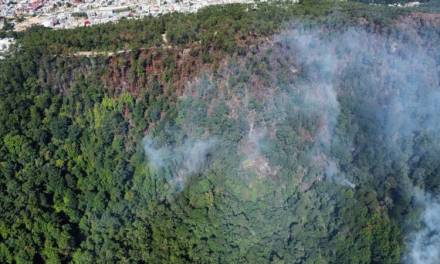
[311, 106]
[183, 160]
[425, 243]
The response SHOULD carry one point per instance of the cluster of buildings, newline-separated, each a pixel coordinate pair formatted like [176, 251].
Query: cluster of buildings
[69, 14]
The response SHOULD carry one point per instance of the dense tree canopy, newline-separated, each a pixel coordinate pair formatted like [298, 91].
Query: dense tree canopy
[78, 183]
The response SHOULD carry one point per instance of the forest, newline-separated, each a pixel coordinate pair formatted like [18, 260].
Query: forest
[261, 133]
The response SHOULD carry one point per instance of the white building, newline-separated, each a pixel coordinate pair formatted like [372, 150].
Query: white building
[5, 45]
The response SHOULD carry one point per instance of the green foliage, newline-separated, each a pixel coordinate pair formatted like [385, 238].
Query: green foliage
[75, 185]
[215, 27]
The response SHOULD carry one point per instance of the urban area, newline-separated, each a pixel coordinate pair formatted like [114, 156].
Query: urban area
[69, 14]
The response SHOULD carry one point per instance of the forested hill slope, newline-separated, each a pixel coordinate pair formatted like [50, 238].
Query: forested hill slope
[269, 133]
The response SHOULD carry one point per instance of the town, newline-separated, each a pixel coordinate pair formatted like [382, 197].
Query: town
[59, 14]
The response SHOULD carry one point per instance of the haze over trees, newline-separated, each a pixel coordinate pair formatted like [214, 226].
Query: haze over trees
[271, 134]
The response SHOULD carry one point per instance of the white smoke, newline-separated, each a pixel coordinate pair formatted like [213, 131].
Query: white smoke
[182, 160]
[317, 58]
[425, 243]
[398, 84]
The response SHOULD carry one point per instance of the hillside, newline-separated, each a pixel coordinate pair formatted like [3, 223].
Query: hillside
[269, 133]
